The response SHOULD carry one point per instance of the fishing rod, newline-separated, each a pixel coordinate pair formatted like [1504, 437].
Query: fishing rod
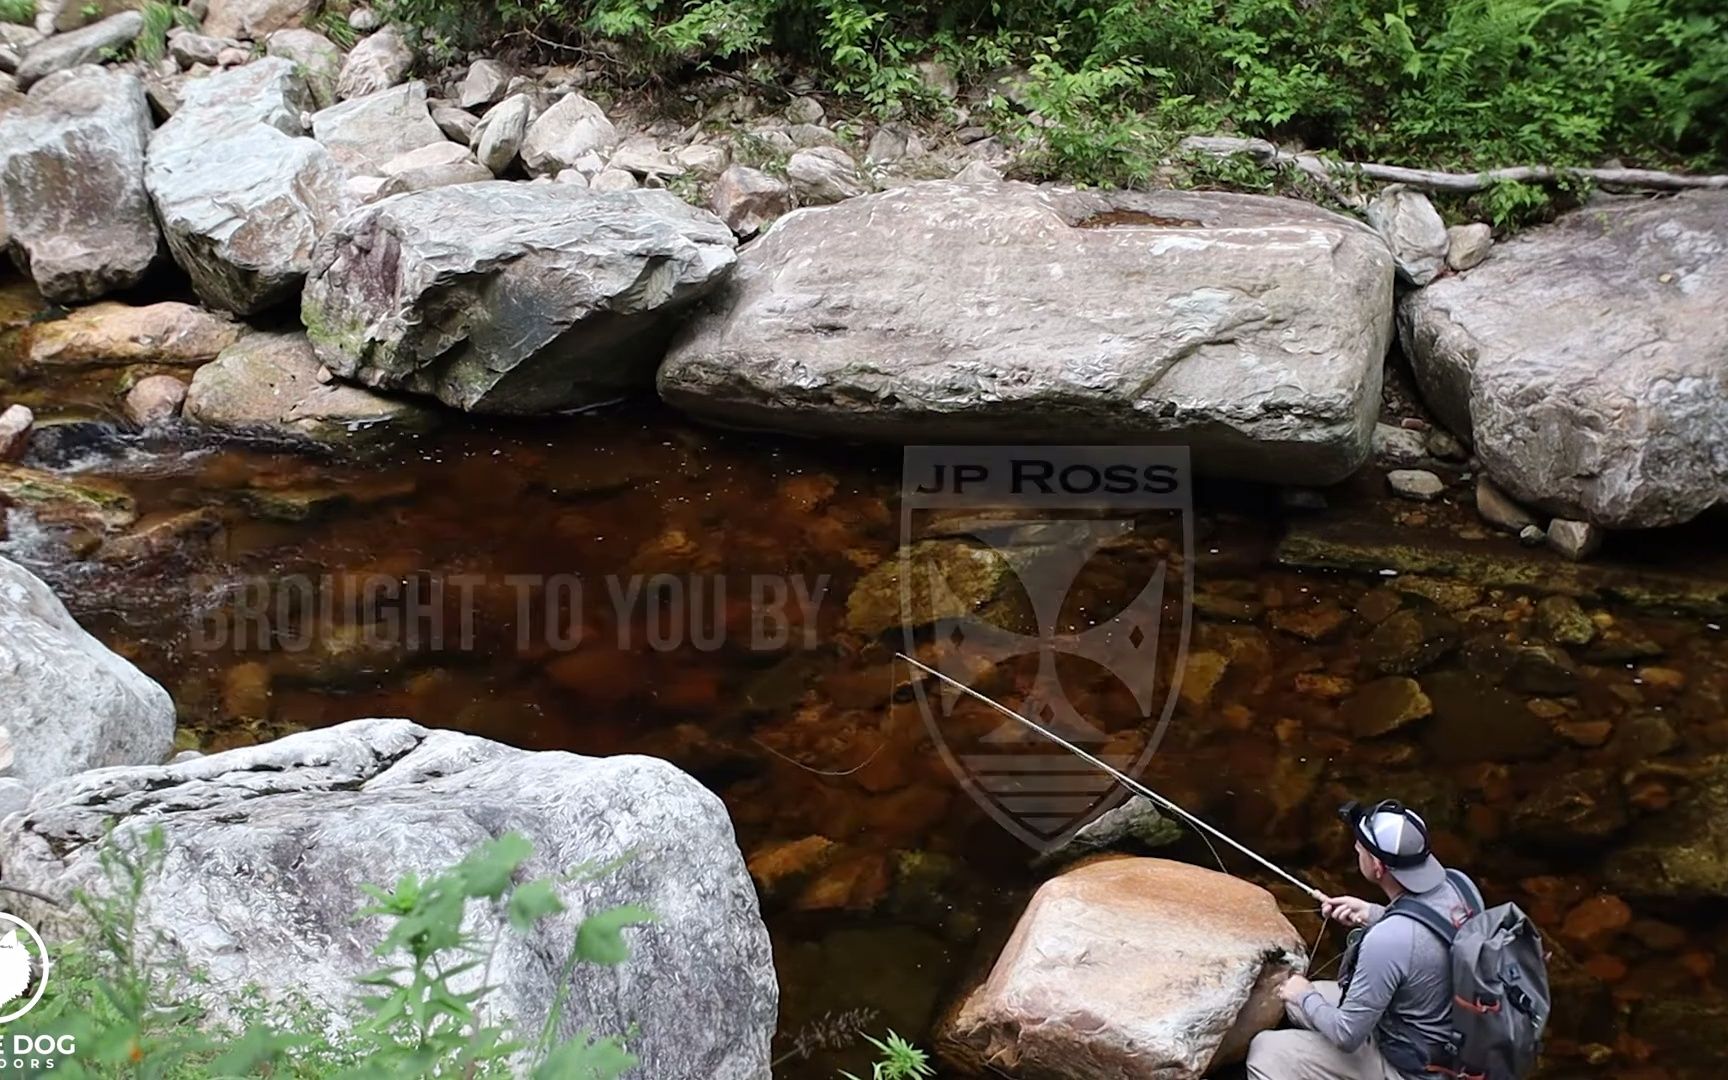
[1124, 779]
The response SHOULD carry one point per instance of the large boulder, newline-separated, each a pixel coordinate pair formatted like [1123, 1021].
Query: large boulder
[72, 184]
[69, 703]
[513, 298]
[269, 386]
[87, 45]
[1133, 969]
[566, 133]
[241, 195]
[254, 19]
[1251, 329]
[1588, 360]
[363, 133]
[267, 849]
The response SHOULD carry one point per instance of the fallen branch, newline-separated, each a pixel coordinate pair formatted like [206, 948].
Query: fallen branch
[31, 893]
[1433, 180]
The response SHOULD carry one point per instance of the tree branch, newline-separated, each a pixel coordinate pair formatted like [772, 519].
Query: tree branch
[1433, 180]
[31, 893]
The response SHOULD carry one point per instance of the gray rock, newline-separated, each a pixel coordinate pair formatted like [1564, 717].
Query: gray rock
[15, 424]
[85, 46]
[804, 110]
[1588, 360]
[805, 136]
[978, 172]
[894, 142]
[267, 847]
[318, 58]
[1574, 539]
[438, 165]
[703, 160]
[1413, 230]
[369, 189]
[773, 139]
[459, 125]
[1532, 536]
[1134, 825]
[500, 134]
[1398, 446]
[824, 175]
[1498, 509]
[155, 399]
[240, 196]
[1467, 245]
[254, 19]
[267, 386]
[591, 281]
[364, 132]
[14, 796]
[563, 134]
[613, 180]
[572, 177]
[643, 157]
[15, 40]
[189, 48]
[1252, 329]
[484, 85]
[747, 199]
[377, 63]
[70, 704]
[364, 20]
[72, 184]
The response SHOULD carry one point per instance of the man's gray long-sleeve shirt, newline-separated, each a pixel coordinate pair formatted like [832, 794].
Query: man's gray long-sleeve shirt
[1403, 975]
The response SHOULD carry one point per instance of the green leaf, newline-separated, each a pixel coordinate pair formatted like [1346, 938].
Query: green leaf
[600, 938]
[532, 902]
[582, 1059]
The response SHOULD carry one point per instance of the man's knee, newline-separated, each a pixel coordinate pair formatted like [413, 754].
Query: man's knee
[1271, 1054]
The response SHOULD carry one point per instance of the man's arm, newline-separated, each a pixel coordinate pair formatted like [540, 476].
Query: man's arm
[1380, 969]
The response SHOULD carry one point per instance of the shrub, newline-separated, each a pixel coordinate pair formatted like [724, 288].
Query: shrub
[18, 11]
[134, 1014]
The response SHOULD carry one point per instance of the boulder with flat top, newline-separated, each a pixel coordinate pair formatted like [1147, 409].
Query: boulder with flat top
[1251, 329]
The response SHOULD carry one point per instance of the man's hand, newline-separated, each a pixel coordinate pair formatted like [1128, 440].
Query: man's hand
[1294, 989]
[1347, 910]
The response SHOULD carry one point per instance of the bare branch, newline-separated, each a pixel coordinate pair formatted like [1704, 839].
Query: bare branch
[31, 893]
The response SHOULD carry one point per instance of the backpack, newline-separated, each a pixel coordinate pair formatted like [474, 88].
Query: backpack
[1499, 987]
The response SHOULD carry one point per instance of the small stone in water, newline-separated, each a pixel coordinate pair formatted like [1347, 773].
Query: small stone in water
[1532, 536]
[1443, 446]
[1398, 446]
[155, 400]
[1574, 539]
[1418, 484]
[1497, 508]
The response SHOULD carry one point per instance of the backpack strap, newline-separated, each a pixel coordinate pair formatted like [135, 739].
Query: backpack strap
[1427, 916]
[1468, 890]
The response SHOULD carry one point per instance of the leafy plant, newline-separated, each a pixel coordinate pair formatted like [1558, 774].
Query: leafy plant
[899, 1060]
[134, 1014]
[160, 16]
[335, 26]
[18, 11]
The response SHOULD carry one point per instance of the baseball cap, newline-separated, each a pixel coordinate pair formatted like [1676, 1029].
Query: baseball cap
[1398, 837]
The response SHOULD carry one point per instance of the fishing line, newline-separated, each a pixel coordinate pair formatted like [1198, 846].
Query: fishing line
[1130, 783]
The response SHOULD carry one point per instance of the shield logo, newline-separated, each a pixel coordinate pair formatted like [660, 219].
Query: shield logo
[1056, 580]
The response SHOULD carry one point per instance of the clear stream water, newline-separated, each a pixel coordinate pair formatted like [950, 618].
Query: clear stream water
[820, 736]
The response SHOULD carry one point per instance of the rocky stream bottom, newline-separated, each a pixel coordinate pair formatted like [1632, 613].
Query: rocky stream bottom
[1563, 725]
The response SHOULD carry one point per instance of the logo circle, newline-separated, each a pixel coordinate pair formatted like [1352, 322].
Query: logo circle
[14, 964]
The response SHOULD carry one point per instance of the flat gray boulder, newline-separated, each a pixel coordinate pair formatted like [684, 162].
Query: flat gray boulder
[510, 298]
[1588, 360]
[69, 704]
[267, 847]
[268, 386]
[241, 194]
[1252, 329]
[72, 184]
[87, 45]
[363, 133]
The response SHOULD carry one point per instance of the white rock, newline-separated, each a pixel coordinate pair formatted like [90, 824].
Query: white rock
[363, 133]
[642, 157]
[70, 704]
[89, 45]
[978, 172]
[572, 177]
[499, 137]
[805, 110]
[459, 125]
[1412, 228]
[15, 423]
[369, 189]
[254, 19]
[894, 142]
[429, 156]
[1418, 484]
[317, 57]
[1574, 539]
[1467, 245]
[565, 133]
[613, 180]
[824, 175]
[189, 48]
[703, 160]
[377, 63]
[484, 85]
[746, 199]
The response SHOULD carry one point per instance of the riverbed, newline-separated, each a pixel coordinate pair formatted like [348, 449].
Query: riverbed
[625, 581]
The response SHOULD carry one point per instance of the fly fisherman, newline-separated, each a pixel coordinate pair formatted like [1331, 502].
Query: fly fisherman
[1389, 1015]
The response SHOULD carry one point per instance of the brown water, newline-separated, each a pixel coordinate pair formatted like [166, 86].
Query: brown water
[820, 736]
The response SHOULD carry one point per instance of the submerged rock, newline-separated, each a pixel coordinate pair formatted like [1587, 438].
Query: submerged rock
[114, 334]
[510, 298]
[1682, 851]
[1385, 705]
[267, 385]
[1588, 360]
[1252, 329]
[53, 499]
[931, 581]
[1130, 967]
[72, 185]
[241, 195]
[267, 847]
[69, 703]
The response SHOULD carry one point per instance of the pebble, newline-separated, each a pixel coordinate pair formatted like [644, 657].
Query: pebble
[1532, 536]
[1399, 447]
[155, 399]
[1574, 539]
[1418, 484]
[1443, 446]
[1467, 245]
[15, 424]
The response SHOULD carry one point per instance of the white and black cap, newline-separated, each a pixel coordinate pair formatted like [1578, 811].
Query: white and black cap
[1398, 837]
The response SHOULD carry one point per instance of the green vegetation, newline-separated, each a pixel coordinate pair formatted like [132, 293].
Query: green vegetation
[160, 16]
[22, 12]
[899, 1060]
[115, 994]
[1103, 89]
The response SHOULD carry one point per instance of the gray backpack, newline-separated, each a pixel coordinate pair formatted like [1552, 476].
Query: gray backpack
[1499, 987]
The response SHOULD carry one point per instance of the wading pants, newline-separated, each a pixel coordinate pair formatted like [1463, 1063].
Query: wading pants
[1299, 1054]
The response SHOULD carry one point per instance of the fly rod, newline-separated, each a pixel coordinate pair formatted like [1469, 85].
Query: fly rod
[1124, 779]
